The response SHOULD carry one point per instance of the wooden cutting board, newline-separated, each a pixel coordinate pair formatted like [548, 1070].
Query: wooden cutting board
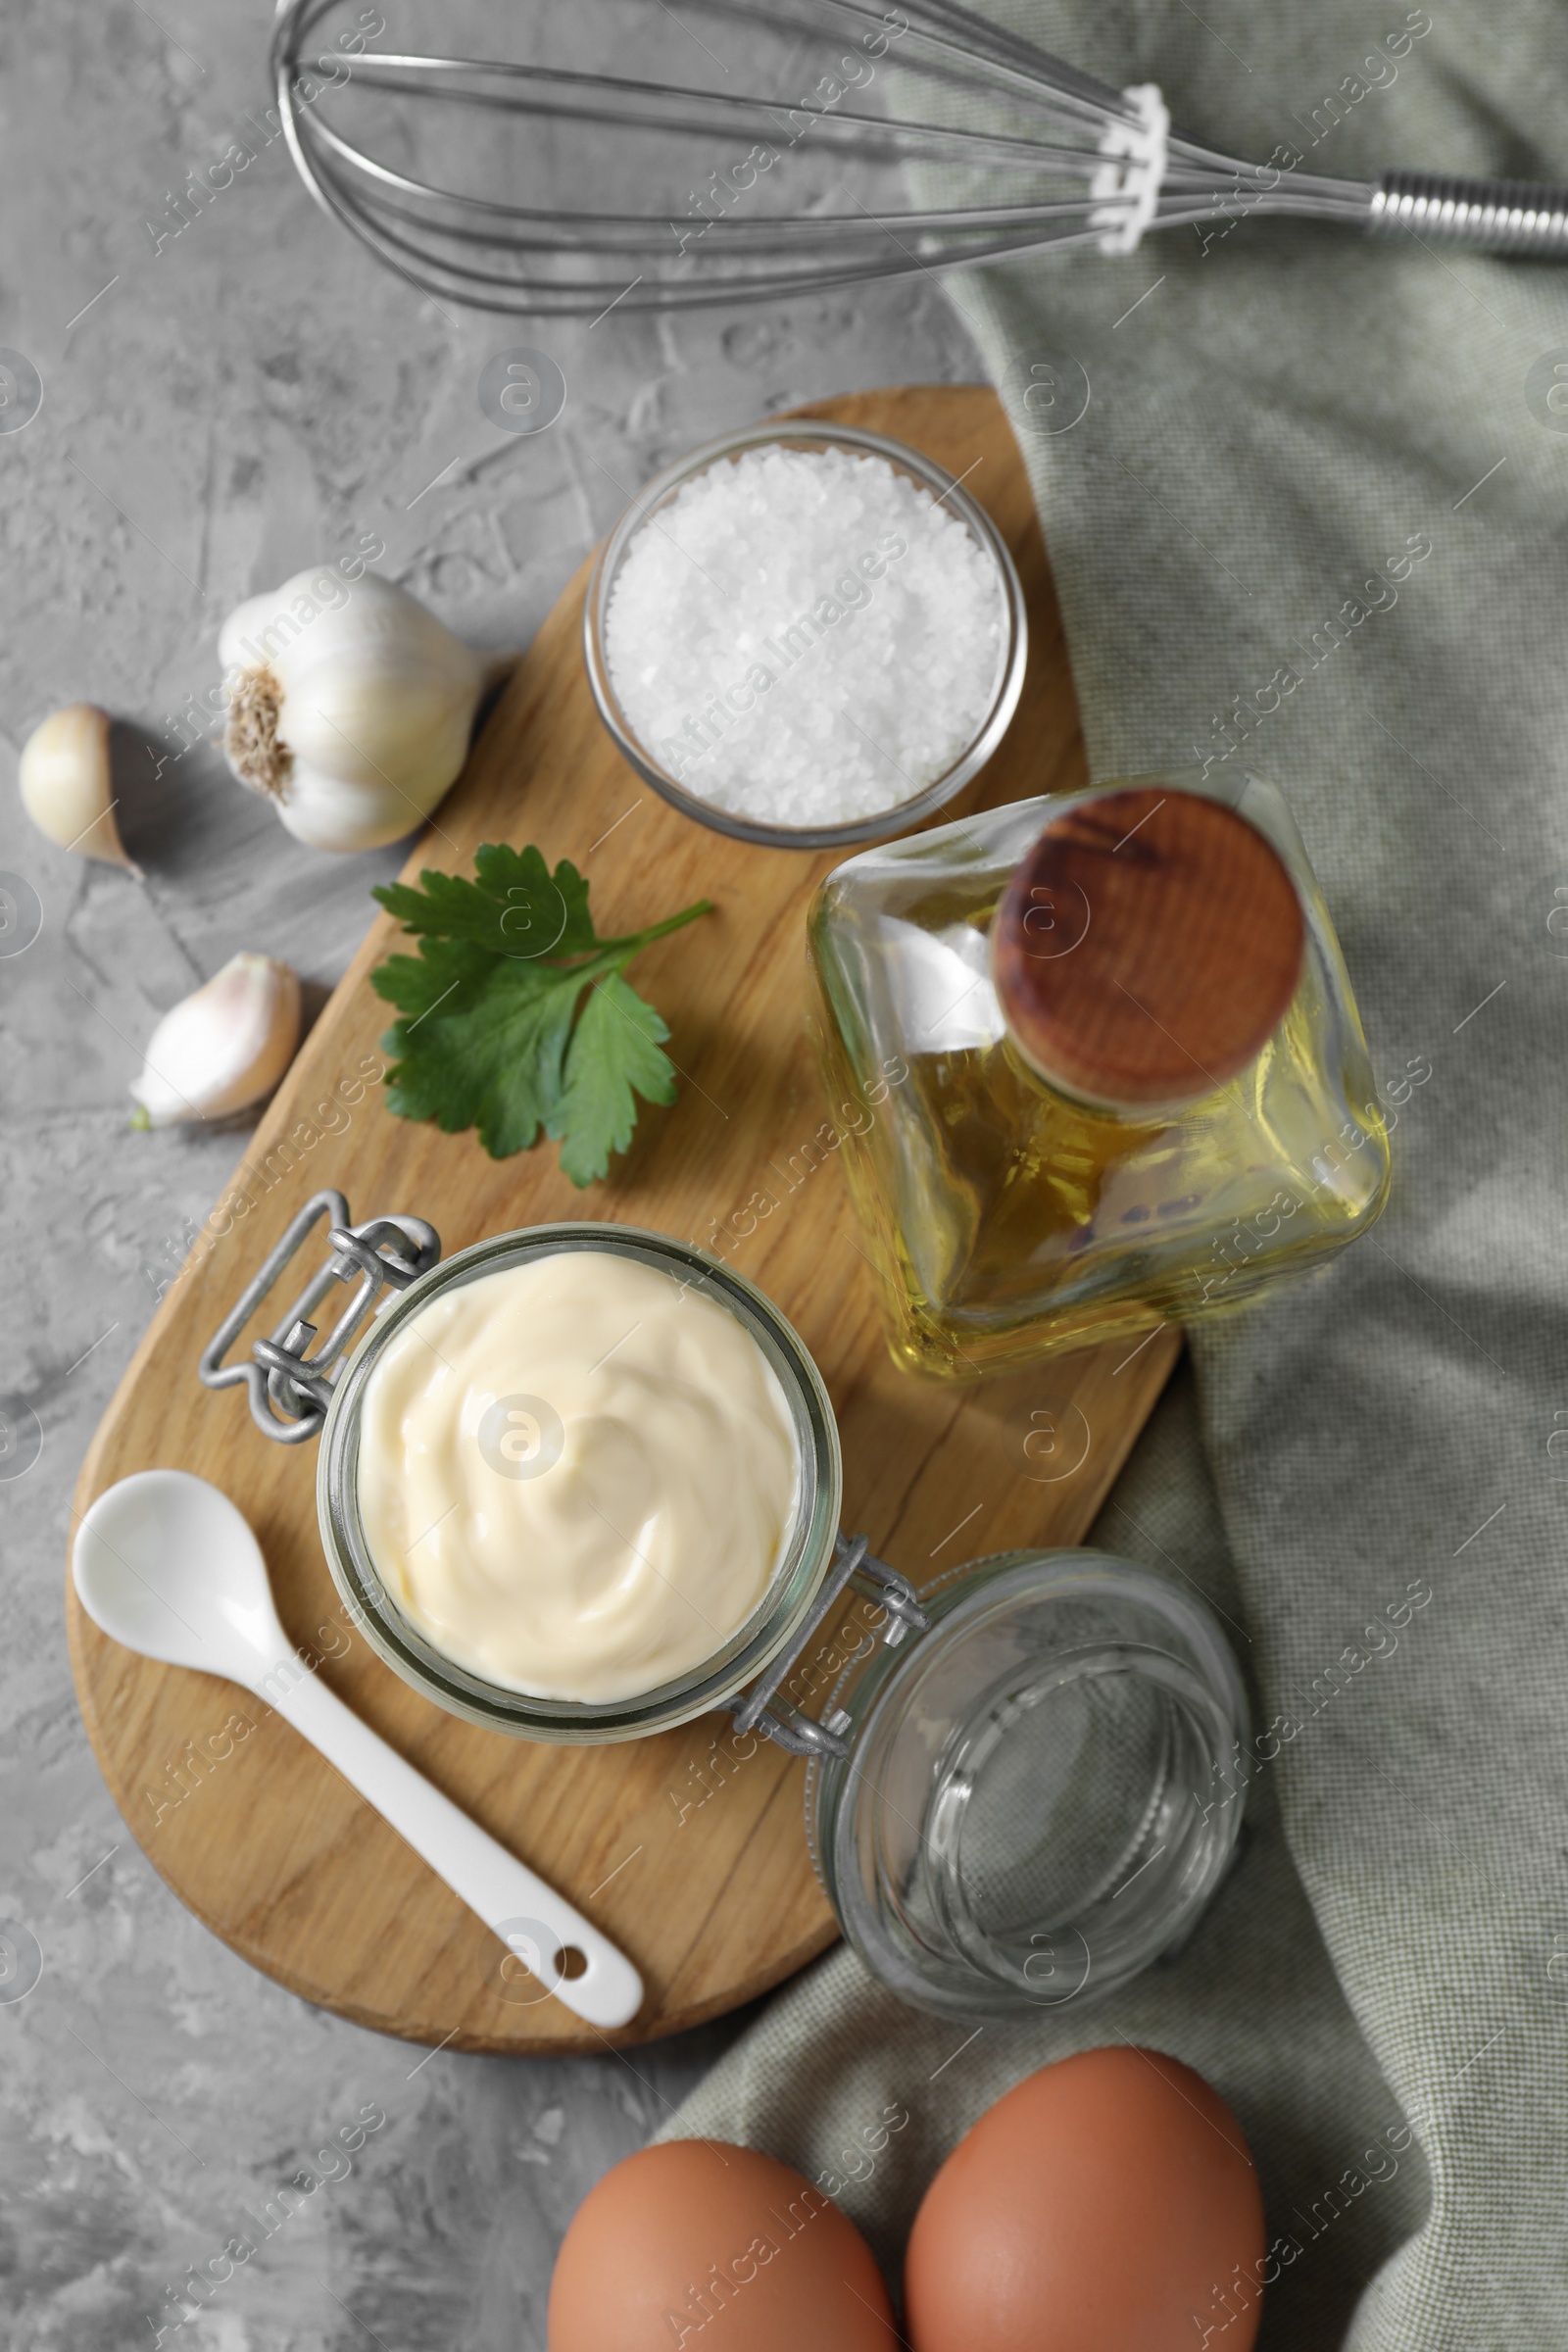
[689, 1848]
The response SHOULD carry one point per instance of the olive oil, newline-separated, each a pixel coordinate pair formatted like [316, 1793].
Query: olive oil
[1010, 1216]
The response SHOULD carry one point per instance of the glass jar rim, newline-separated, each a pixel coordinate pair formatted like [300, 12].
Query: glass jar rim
[798, 1575]
[818, 433]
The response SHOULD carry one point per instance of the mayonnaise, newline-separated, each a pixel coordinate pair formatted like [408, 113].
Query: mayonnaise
[576, 1476]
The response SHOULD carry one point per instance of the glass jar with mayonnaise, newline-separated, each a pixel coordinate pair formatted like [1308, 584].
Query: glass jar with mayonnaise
[582, 1483]
[578, 1482]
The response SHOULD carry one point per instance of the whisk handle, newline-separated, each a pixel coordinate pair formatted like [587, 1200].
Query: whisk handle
[1495, 215]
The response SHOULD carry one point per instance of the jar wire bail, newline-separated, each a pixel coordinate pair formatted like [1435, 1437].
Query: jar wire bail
[290, 1389]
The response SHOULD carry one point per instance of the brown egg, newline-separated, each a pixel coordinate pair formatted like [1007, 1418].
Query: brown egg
[717, 2249]
[1107, 2204]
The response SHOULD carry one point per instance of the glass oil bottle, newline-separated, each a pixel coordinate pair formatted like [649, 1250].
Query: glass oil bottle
[1138, 1087]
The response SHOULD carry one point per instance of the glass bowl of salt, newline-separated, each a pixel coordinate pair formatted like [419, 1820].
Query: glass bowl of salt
[805, 635]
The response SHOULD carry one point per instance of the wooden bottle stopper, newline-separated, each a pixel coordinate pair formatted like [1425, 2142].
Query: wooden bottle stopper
[1148, 946]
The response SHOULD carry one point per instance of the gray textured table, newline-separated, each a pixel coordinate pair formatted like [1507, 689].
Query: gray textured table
[248, 397]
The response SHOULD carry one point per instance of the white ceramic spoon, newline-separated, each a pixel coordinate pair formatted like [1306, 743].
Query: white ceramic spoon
[165, 1564]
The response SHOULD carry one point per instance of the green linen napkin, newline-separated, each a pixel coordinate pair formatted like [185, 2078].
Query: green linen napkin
[1313, 521]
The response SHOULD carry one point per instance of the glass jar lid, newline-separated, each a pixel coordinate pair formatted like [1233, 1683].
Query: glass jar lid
[1043, 1791]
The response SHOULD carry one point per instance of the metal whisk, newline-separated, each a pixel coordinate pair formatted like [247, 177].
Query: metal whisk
[765, 167]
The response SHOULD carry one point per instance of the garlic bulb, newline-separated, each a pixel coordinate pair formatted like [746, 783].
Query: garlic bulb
[348, 705]
[223, 1049]
[66, 788]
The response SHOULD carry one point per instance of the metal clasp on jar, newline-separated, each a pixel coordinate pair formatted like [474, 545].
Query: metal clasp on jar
[290, 1389]
[762, 1709]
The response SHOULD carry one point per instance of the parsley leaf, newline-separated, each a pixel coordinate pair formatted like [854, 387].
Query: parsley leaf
[514, 905]
[497, 1033]
[613, 1056]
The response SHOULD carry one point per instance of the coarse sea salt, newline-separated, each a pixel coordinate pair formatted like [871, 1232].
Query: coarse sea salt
[806, 637]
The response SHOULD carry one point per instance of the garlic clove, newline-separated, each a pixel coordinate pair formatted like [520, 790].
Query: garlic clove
[67, 787]
[223, 1049]
[348, 705]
